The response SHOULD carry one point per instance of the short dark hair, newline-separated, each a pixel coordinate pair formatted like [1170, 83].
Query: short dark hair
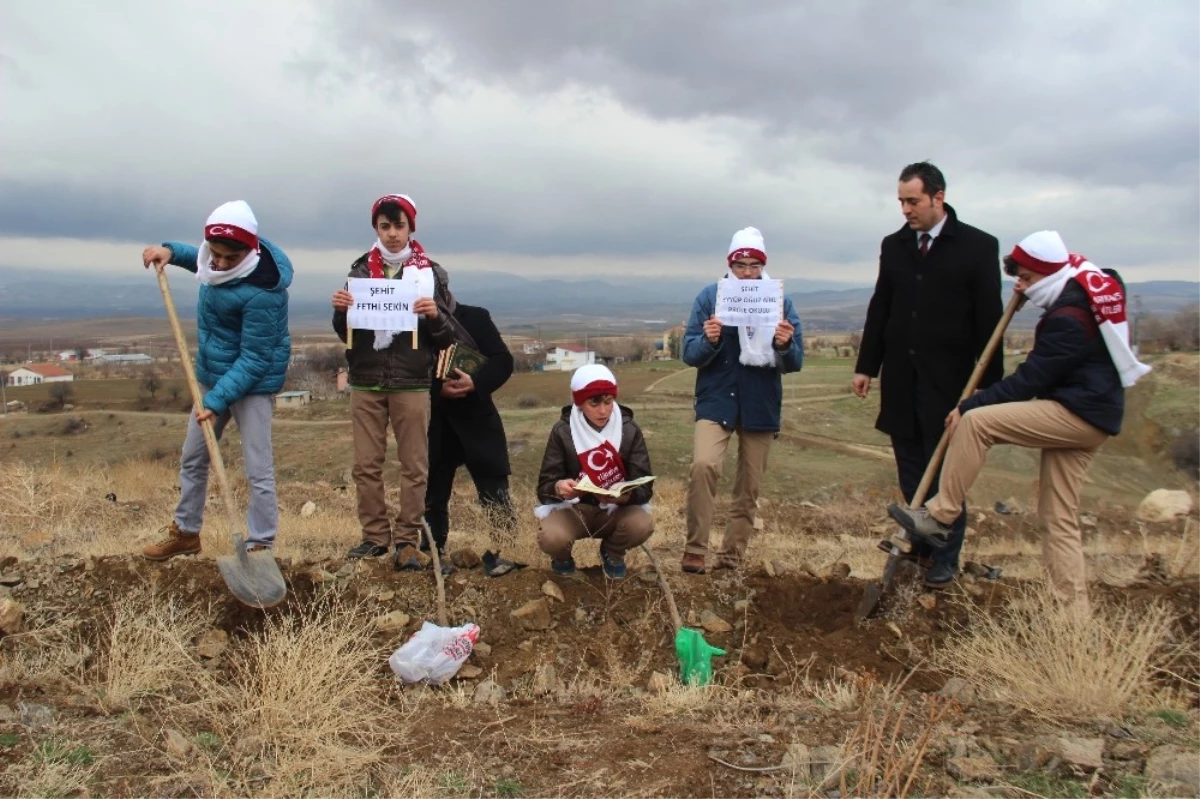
[932, 179]
[232, 244]
[1010, 266]
[391, 212]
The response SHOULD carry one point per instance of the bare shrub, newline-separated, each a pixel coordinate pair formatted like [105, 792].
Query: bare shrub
[528, 401]
[33, 497]
[61, 393]
[883, 754]
[146, 649]
[57, 770]
[304, 696]
[1043, 657]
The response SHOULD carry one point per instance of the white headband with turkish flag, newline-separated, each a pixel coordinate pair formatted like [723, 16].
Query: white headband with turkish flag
[234, 221]
[1045, 253]
[592, 380]
[747, 243]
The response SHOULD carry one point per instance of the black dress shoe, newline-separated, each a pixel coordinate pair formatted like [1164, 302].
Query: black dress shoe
[366, 549]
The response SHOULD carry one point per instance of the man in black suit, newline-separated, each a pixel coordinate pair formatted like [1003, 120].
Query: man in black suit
[936, 303]
[465, 429]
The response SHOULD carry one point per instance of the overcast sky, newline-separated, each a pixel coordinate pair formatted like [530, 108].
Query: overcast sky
[619, 137]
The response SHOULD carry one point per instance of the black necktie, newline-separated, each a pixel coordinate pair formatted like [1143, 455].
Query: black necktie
[925, 239]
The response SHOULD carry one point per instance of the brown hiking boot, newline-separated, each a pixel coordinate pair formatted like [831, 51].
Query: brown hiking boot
[177, 542]
[692, 563]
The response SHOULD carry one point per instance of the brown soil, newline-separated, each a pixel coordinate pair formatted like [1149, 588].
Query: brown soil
[795, 626]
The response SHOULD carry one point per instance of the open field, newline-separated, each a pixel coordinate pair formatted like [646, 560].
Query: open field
[127, 678]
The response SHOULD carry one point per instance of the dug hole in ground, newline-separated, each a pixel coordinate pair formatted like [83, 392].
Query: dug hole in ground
[121, 677]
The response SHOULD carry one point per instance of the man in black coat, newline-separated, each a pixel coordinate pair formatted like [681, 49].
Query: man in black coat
[936, 303]
[465, 429]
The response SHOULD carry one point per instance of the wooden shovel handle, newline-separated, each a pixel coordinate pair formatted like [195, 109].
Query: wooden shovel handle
[935, 463]
[210, 437]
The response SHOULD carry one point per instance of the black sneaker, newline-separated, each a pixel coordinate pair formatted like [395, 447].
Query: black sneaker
[365, 549]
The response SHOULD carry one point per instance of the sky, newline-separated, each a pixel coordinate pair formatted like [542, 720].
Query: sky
[613, 139]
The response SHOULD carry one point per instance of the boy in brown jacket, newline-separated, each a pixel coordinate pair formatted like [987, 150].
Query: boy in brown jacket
[598, 439]
[390, 376]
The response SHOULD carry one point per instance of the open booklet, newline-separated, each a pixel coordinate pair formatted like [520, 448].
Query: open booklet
[585, 484]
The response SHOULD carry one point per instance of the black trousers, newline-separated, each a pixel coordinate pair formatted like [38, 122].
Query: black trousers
[912, 456]
[494, 495]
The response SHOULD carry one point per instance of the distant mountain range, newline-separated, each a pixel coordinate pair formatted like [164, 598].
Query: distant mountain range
[29, 297]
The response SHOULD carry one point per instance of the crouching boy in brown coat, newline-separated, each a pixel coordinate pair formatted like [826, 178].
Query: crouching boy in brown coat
[596, 438]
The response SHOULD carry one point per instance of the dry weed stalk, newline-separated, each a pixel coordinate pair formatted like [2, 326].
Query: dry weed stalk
[39, 498]
[146, 649]
[305, 704]
[879, 759]
[36, 777]
[1042, 657]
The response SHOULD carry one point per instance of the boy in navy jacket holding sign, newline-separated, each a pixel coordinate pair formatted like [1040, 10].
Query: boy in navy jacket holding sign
[739, 389]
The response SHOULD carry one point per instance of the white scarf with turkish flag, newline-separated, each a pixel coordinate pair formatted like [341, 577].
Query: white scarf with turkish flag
[599, 451]
[1107, 300]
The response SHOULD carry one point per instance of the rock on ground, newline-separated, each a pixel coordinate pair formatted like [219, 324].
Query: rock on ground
[12, 613]
[712, 623]
[980, 768]
[551, 589]
[534, 615]
[1174, 765]
[392, 622]
[959, 690]
[212, 643]
[488, 693]
[1163, 505]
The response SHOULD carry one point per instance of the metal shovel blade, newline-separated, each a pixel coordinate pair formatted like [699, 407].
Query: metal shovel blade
[253, 577]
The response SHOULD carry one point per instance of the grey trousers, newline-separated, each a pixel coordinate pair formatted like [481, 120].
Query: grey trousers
[253, 416]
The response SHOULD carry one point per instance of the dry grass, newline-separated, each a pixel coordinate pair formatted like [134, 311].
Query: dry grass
[884, 752]
[1041, 656]
[52, 771]
[304, 710]
[146, 648]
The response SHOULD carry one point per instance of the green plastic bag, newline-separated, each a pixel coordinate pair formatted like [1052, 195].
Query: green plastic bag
[695, 657]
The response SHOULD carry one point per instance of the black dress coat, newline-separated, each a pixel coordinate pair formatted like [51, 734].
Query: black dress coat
[473, 419]
[928, 322]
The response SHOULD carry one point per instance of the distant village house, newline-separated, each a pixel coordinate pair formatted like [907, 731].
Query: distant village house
[568, 359]
[293, 399]
[35, 373]
[73, 355]
[130, 359]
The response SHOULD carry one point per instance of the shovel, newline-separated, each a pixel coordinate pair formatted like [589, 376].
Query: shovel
[694, 653]
[252, 577]
[899, 543]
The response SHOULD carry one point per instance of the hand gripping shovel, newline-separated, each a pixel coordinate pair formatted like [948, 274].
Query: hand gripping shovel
[899, 543]
[252, 577]
[694, 653]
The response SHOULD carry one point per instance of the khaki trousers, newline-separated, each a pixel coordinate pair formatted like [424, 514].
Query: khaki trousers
[620, 531]
[407, 412]
[709, 446]
[1068, 444]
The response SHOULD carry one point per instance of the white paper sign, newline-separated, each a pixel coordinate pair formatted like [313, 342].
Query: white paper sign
[749, 303]
[381, 304]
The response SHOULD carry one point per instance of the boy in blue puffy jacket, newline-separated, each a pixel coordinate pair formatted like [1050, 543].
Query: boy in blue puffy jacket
[241, 363]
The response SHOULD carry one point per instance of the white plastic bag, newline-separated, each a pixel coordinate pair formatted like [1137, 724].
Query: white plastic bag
[434, 654]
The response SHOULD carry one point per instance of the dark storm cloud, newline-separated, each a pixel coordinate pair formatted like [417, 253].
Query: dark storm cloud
[1086, 90]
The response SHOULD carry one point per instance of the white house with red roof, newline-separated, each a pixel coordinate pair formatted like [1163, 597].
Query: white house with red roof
[34, 373]
[568, 359]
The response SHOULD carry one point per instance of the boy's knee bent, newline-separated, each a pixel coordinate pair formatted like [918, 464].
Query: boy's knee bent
[638, 526]
[553, 538]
